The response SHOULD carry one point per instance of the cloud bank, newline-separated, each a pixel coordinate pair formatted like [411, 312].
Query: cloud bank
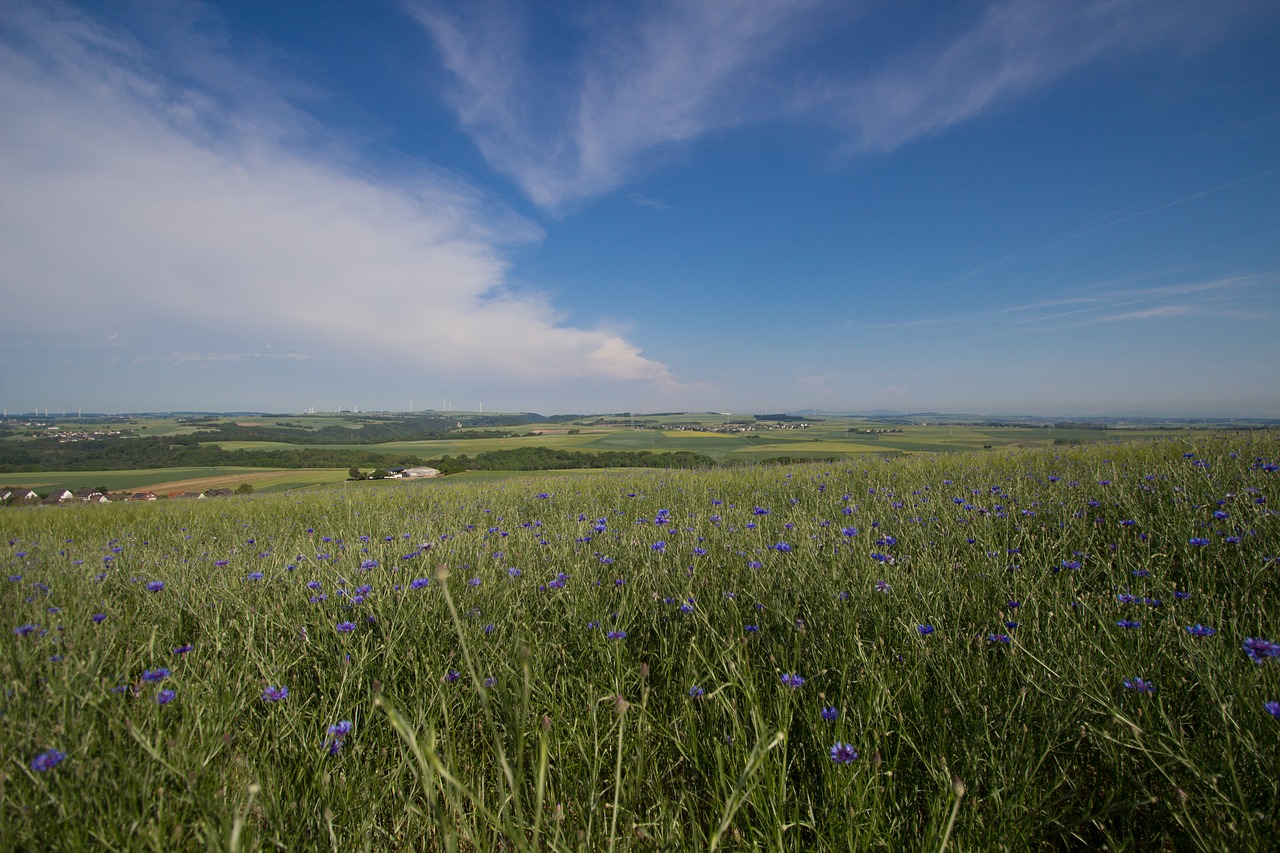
[203, 211]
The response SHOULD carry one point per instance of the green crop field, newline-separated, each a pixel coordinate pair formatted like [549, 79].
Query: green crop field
[1020, 649]
[823, 439]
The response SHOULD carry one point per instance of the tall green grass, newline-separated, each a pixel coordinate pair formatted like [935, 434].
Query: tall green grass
[490, 708]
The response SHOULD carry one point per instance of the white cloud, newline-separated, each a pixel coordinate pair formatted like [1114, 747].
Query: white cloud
[1013, 48]
[137, 206]
[648, 80]
[642, 81]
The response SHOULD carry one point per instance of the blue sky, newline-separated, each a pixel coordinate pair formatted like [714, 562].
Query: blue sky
[991, 207]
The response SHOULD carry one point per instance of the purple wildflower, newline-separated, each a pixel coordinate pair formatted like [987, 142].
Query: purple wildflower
[1257, 649]
[47, 760]
[843, 753]
[275, 694]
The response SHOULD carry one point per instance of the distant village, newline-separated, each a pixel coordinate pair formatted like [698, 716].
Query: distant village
[21, 496]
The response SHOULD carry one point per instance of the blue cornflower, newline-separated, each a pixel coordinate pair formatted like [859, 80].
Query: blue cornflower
[346, 627]
[751, 629]
[1198, 541]
[617, 635]
[47, 760]
[182, 650]
[849, 531]
[24, 630]
[275, 694]
[418, 583]
[843, 753]
[1257, 649]
[1272, 708]
[696, 692]
[1129, 623]
[1070, 564]
[782, 546]
[164, 697]
[660, 547]
[1181, 595]
[792, 681]
[997, 638]
[830, 714]
[925, 630]
[452, 675]
[99, 617]
[254, 576]
[1012, 605]
[1139, 684]
[155, 586]
[337, 736]
[883, 586]
[155, 676]
[1198, 630]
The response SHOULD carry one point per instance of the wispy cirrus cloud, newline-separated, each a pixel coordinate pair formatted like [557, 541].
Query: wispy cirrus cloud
[629, 85]
[641, 82]
[148, 196]
[1241, 298]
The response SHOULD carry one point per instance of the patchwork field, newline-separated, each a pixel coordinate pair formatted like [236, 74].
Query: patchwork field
[165, 480]
[1022, 649]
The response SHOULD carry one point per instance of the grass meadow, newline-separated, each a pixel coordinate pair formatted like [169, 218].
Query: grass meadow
[1052, 648]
